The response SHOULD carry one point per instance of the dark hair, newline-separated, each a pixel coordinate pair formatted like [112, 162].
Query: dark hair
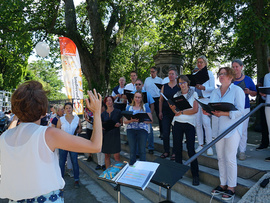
[154, 67]
[29, 102]
[133, 72]
[174, 69]
[182, 77]
[230, 72]
[68, 103]
[105, 99]
[240, 62]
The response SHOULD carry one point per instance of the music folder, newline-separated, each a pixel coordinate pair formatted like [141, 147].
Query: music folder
[108, 125]
[264, 90]
[141, 116]
[216, 106]
[199, 77]
[180, 102]
[242, 84]
[159, 86]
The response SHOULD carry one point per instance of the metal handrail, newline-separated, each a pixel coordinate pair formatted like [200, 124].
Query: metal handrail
[225, 133]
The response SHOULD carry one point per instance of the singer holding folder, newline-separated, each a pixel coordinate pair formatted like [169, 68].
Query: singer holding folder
[137, 132]
[184, 123]
[226, 148]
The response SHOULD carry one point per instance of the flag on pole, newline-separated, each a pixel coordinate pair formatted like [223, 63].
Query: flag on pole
[72, 73]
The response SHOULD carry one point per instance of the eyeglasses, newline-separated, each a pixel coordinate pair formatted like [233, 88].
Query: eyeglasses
[222, 74]
[200, 62]
[138, 84]
[137, 97]
[152, 71]
[181, 83]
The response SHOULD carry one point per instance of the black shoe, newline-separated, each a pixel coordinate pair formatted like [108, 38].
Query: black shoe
[103, 167]
[98, 167]
[150, 151]
[196, 181]
[260, 148]
[267, 159]
[89, 159]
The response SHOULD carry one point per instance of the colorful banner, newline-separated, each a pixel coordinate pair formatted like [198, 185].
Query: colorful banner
[72, 73]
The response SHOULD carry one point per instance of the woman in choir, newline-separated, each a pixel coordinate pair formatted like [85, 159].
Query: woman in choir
[227, 147]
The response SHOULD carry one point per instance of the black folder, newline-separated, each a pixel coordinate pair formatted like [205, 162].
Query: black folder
[141, 116]
[108, 125]
[199, 77]
[264, 90]
[242, 84]
[159, 86]
[217, 106]
[180, 102]
[130, 97]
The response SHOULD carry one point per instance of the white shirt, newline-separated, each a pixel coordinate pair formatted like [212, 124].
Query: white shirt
[69, 127]
[149, 86]
[29, 167]
[191, 119]
[130, 87]
[209, 85]
[236, 96]
[266, 83]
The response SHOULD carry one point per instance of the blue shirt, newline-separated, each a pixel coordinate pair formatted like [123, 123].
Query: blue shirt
[234, 95]
[250, 85]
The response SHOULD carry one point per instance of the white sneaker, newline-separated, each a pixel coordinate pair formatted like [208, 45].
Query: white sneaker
[199, 148]
[242, 156]
[210, 152]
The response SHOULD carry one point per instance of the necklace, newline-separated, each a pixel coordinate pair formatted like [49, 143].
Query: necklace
[239, 77]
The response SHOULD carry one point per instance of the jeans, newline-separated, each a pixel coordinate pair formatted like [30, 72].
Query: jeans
[166, 124]
[151, 139]
[178, 131]
[137, 138]
[74, 160]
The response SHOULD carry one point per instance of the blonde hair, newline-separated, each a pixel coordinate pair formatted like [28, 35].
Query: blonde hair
[133, 101]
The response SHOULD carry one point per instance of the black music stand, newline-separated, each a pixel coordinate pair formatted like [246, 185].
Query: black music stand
[167, 174]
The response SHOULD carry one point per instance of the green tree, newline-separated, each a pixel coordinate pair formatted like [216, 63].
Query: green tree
[15, 44]
[44, 72]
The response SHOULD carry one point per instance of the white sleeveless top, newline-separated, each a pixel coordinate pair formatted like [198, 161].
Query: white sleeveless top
[28, 167]
[69, 127]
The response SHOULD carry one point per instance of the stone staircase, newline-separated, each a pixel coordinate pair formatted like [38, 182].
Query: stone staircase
[249, 172]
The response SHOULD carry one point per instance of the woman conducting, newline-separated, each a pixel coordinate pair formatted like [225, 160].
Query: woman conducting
[29, 163]
[227, 147]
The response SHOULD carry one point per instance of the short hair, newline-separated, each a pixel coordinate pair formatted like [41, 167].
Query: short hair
[154, 67]
[122, 78]
[239, 61]
[105, 99]
[68, 103]
[29, 102]
[139, 80]
[57, 107]
[183, 77]
[230, 72]
[204, 59]
[133, 72]
[174, 69]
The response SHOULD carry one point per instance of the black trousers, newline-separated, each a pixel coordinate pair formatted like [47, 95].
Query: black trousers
[178, 131]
